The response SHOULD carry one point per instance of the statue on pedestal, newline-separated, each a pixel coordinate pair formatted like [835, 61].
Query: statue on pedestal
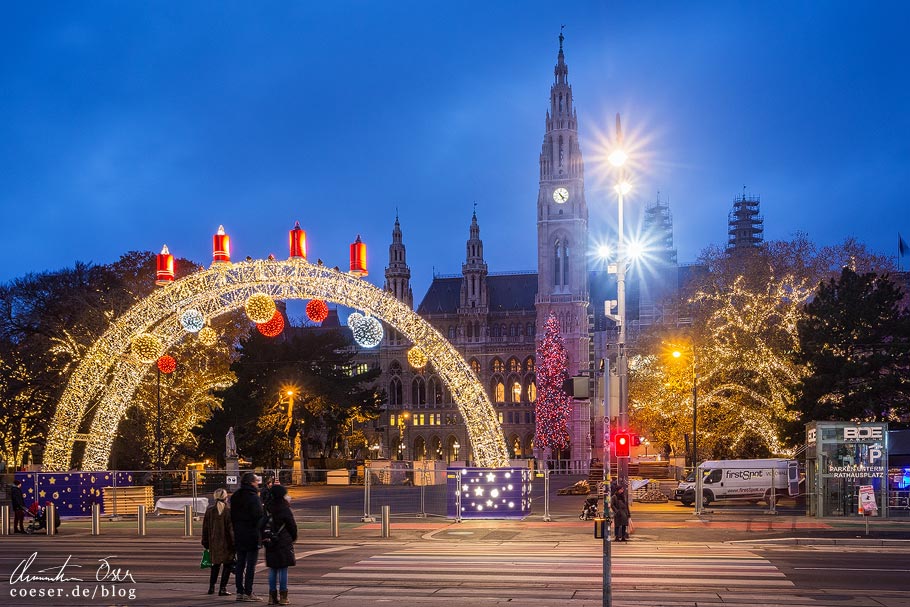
[230, 450]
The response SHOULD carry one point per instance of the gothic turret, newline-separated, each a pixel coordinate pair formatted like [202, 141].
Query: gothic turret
[474, 296]
[397, 273]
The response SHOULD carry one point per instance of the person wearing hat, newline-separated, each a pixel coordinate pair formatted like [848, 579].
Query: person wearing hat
[218, 539]
[246, 518]
[279, 545]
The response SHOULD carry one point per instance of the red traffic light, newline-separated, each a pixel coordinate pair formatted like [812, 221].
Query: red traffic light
[623, 444]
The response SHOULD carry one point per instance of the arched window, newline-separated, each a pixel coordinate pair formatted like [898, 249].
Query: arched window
[529, 364]
[395, 391]
[529, 330]
[516, 392]
[418, 391]
[531, 390]
[499, 391]
[436, 391]
[475, 367]
[470, 331]
[514, 367]
[451, 333]
[497, 366]
[395, 368]
[556, 265]
[565, 264]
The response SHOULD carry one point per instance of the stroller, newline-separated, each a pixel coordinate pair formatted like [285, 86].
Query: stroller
[589, 511]
[39, 519]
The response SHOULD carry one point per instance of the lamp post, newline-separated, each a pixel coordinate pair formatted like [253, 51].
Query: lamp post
[678, 354]
[618, 159]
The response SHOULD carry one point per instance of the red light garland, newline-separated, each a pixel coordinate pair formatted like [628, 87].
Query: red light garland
[317, 310]
[274, 327]
[167, 364]
[553, 405]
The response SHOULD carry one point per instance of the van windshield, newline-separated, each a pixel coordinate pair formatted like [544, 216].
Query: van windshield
[690, 478]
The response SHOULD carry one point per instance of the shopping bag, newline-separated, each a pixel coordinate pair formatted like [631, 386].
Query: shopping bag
[206, 559]
[631, 528]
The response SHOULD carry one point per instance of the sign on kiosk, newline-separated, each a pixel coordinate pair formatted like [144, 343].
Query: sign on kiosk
[867, 505]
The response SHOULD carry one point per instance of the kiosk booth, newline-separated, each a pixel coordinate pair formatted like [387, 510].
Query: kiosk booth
[847, 469]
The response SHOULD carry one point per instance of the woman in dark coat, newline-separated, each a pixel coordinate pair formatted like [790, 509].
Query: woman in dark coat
[218, 539]
[279, 546]
[621, 514]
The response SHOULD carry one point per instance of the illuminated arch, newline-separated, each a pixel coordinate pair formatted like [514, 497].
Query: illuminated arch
[109, 376]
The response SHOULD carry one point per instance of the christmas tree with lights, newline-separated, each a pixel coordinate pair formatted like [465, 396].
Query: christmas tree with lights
[553, 404]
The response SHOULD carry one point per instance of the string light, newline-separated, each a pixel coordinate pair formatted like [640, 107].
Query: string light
[553, 407]
[208, 336]
[417, 358]
[192, 320]
[106, 380]
[367, 331]
[274, 327]
[146, 347]
[260, 307]
[167, 364]
[317, 310]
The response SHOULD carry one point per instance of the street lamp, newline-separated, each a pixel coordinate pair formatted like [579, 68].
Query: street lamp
[455, 446]
[618, 159]
[678, 354]
[403, 434]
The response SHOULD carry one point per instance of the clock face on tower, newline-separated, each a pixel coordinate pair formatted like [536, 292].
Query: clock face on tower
[560, 195]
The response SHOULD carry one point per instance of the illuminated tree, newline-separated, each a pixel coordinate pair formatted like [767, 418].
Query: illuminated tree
[855, 340]
[553, 405]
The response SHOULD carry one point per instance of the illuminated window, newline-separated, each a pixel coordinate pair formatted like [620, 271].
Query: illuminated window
[532, 392]
[497, 366]
[499, 416]
[499, 392]
[475, 366]
[529, 364]
[514, 366]
[516, 392]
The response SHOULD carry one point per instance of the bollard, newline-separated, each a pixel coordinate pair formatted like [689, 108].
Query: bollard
[140, 519]
[4, 519]
[50, 513]
[188, 520]
[96, 519]
[333, 515]
[385, 521]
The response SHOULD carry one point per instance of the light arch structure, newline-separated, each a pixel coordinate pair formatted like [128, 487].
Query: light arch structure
[107, 378]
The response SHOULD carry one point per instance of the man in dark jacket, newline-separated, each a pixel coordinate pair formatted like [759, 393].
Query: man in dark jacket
[17, 498]
[246, 517]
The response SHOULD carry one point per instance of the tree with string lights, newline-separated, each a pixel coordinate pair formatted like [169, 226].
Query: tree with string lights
[553, 405]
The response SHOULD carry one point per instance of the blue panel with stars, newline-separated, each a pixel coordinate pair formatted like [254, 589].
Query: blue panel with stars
[73, 493]
[488, 493]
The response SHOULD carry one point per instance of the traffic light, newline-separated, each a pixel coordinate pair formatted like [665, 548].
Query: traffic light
[623, 444]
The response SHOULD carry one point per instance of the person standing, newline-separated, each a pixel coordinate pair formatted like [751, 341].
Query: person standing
[218, 539]
[246, 517]
[265, 492]
[279, 547]
[621, 514]
[17, 498]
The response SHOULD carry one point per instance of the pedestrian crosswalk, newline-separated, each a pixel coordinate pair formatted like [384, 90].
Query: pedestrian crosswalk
[581, 567]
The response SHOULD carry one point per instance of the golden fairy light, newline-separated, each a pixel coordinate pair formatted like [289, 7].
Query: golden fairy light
[207, 336]
[146, 347]
[106, 378]
[417, 358]
[260, 308]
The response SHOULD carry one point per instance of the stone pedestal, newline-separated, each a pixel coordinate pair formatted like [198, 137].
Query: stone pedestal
[232, 469]
[299, 472]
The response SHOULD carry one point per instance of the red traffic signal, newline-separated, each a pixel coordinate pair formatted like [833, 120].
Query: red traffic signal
[623, 444]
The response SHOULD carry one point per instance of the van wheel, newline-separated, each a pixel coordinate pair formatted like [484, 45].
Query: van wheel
[706, 498]
[768, 498]
[686, 503]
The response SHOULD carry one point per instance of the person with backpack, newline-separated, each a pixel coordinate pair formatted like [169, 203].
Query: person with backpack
[278, 539]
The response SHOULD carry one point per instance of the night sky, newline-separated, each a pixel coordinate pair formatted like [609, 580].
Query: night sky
[127, 125]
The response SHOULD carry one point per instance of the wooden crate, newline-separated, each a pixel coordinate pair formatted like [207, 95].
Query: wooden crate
[128, 499]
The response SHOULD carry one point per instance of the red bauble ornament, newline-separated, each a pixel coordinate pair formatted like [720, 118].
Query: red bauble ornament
[274, 327]
[317, 310]
[167, 364]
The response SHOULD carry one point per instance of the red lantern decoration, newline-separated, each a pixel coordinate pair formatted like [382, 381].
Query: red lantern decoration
[297, 241]
[358, 258]
[273, 327]
[164, 263]
[167, 364]
[221, 247]
[317, 310]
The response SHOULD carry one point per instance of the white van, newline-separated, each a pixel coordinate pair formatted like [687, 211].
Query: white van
[743, 479]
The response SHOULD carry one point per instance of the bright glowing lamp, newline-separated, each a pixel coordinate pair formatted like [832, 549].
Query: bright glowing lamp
[260, 307]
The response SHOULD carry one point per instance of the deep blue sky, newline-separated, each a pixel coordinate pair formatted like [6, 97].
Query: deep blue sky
[126, 125]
